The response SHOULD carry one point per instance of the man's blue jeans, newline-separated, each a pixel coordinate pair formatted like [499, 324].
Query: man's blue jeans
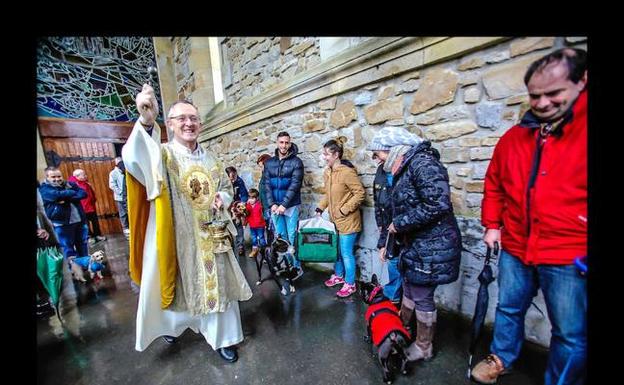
[345, 264]
[565, 294]
[286, 226]
[392, 289]
[73, 239]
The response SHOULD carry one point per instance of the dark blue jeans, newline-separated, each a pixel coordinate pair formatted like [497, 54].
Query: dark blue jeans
[73, 239]
[257, 236]
[565, 294]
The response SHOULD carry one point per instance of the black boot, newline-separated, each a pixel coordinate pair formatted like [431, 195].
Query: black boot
[229, 353]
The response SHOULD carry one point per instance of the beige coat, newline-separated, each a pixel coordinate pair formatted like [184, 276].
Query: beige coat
[344, 194]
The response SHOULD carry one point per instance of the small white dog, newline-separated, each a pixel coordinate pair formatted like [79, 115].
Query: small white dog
[94, 264]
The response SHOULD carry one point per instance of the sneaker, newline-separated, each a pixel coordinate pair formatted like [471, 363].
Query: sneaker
[100, 238]
[346, 290]
[334, 280]
[91, 241]
[126, 231]
[488, 370]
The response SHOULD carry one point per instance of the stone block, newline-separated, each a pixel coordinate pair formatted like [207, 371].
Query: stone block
[444, 131]
[529, 44]
[437, 88]
[384, 110]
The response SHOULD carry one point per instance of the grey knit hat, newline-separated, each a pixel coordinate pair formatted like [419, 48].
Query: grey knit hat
[388, 137]
[376, 145]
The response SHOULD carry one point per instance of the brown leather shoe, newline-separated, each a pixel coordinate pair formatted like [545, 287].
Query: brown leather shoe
[488, 370]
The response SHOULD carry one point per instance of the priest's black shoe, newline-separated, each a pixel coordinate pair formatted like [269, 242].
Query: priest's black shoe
[169, 339]
[229, 354]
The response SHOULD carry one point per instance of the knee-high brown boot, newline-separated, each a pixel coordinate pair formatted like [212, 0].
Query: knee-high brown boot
[407, 313]
[422, 347]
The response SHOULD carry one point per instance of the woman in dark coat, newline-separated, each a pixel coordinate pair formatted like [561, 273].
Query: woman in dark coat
[424, 225]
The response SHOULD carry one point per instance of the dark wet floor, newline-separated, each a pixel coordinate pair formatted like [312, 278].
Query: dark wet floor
[309, 337]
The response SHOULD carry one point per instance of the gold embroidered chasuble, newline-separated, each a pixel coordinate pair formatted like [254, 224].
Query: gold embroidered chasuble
[206, 281]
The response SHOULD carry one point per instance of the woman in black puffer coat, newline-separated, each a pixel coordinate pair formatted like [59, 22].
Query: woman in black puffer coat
[425, 226]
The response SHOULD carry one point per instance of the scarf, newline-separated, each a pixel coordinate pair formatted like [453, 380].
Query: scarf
[395, 158]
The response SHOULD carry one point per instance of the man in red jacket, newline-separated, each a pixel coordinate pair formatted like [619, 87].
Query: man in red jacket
[535, 206]
[88, 204]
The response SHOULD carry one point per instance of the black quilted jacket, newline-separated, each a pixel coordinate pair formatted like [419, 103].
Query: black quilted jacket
[424, 219]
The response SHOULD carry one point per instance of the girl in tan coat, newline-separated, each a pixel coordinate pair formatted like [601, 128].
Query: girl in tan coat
[344, 194]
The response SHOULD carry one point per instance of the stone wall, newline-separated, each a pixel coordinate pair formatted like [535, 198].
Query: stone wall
[462, 95]
[252, 65]
[183, 75]
[193, 71]
[257, 63]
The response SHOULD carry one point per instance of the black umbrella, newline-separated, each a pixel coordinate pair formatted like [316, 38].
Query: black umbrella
[486, 277]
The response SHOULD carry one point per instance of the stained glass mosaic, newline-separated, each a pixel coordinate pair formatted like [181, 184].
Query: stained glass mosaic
[93, 77]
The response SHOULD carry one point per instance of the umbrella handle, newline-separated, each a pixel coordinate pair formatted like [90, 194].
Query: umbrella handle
[488, 252]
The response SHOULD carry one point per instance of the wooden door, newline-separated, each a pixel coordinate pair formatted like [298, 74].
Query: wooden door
[92, 146]
[89, 145]
[97, 159]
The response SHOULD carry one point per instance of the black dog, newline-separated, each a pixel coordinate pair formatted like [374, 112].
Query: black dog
[385, 330]
[282, 271]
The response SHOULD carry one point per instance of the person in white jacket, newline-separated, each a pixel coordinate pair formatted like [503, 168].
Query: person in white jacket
[117, 183]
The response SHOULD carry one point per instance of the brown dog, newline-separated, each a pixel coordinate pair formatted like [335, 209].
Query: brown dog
[239, 213]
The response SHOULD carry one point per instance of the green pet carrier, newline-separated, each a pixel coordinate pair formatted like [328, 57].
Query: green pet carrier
[317, 240]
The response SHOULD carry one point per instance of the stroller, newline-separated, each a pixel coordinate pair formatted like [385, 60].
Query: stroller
[274, 256]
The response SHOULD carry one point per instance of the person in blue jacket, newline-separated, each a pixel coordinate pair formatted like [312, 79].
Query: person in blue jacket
[283, 178]
[61, 201]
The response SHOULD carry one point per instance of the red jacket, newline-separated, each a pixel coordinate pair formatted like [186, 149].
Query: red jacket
[255, 217]
[385, 322]
[88, 203]
[548, 224]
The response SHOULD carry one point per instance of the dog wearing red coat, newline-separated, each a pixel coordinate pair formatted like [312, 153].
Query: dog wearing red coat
[389, 338]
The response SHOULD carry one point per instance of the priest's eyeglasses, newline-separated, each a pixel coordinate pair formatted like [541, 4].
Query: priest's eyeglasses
[182, 118]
